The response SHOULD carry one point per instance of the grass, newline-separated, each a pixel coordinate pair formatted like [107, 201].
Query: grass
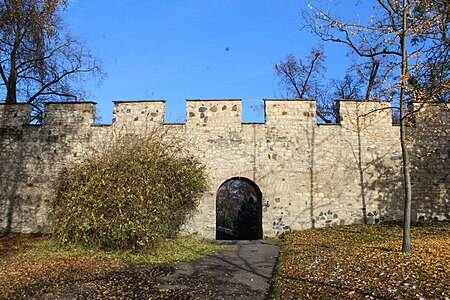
[33, 263]
[364, 262]
[347, 262]
[169, 251]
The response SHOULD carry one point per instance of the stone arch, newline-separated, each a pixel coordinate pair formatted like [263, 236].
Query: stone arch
[238, 210]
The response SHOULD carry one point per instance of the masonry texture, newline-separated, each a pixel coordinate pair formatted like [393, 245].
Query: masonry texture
[310, 174]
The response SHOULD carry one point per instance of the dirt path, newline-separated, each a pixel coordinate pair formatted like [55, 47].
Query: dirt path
[243, 271]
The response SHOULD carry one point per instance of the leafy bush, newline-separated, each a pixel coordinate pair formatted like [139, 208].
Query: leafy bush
[136, 192]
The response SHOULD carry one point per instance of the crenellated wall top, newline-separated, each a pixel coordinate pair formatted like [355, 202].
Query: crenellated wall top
[199, 112]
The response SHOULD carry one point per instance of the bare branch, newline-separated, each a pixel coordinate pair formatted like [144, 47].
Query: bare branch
[38, 59]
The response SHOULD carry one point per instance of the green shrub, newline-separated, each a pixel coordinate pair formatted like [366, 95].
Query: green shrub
[130, 196]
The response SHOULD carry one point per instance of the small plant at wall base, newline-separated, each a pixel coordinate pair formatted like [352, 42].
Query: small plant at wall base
[129, 197]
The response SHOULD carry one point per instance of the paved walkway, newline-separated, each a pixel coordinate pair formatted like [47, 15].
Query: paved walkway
[242, 271]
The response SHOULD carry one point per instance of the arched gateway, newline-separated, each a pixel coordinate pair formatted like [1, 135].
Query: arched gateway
[238, 210]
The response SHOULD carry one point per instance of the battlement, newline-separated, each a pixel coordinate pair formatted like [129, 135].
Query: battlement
[55, 114]
[376, 111]
[13, 115]
[199, 112]
[69, 113]
[425, 113]
[214, 113]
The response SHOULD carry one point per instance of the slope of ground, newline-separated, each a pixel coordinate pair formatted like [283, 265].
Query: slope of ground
[364, 262]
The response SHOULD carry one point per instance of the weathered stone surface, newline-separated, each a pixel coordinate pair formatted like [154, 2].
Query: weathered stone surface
[309, 174]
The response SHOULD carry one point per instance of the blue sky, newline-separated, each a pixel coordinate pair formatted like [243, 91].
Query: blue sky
[194, 49]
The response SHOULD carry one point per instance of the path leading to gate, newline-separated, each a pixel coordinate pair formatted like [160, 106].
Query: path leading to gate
[242, 271]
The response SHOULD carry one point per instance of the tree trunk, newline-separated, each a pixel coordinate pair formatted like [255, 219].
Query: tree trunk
[406, 244]
[373, 76]
[11, 95]
[11, 84]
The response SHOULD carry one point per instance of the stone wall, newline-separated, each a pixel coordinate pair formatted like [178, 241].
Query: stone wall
[310, 174]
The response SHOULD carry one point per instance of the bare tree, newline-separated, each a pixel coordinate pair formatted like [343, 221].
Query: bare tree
[302, 79]
[39, 60]
[347, 88]
[407, 32]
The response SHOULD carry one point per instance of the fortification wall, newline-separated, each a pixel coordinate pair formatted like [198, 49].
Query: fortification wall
[430, 160]
[309, 174]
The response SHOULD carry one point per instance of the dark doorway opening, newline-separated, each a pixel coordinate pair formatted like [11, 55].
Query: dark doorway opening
[238, 210]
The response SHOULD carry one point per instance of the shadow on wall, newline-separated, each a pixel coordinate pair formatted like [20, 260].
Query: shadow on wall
[430, 161]
[386, 189]
[358, 170]
[12, 202]
[26, 179]
[31, 157]
[429, 145]
[17, 204]
[13, 169]
[347, 173]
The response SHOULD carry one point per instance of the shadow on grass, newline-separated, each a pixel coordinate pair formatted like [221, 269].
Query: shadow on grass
[12, 243]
